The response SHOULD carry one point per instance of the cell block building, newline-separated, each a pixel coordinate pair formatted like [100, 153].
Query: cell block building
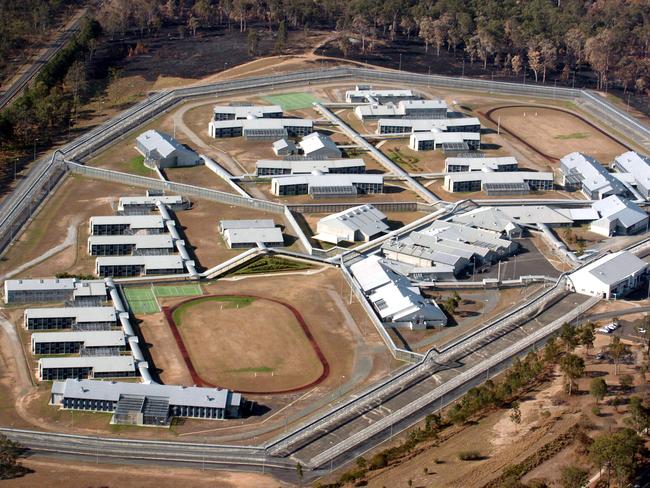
[77, 318]
[92, 343]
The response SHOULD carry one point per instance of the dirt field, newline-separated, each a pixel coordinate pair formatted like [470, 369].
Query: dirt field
[255, 346]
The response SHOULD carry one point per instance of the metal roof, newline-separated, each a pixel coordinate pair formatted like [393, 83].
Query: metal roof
[423, 125]
[497, 176]
[133, 221]
[613, 268]
[144, 200]
[329, 179]
[190, 396]
[243, 111]
[81, 314]
[246, 224]
[40, 284]
[168, 261]
[305, 166]
[636, 164]
[141, 241]
[95, 338]
[445, 137]
[99, 364]
[591, 173]
[490, 218]
[90, 289]
[159, 143]
[363, 218]
[479, 164]
[254, 235]
[317, 141]
[535, 214]
[616, 208]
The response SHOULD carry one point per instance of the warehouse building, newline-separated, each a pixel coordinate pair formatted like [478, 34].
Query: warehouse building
[327, 185]
[81, 367]
[499, 183]
[144, 204]
[397, 302]
[612, 276]
[77, 318]
[284, 147]
[265, 129]
[416, 251]
[319, 146]
[110, 225]
[122, 245]
[492, 219]
[365, 94]
[618, 216]
[161, 150]
[449, 142]
[409, 126]
[146, 404]
[275, 167]
[91, 343]
[53, 290]
[580, 172]
[415, 109]
[464, 165]
[251, 233]
[355, 224]
[639, 167]
[243, 111]
[127, 266]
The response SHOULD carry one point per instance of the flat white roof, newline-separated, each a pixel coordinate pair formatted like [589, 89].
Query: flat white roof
[90, 289]
[329, 179]
[266, 123]
[40, 284]
[81, 314]
[636, 164]
[612, 269]
[304, 166]
[243, 111]
[422, 125]
[247, 224]
[168, 261]
[479, 164]
[254, 235]
[100, 364]
[369, 273]
[592, 174]
[442, 137]
[535, 214]
[146, 241]
[190, 396]
[163, 144]
[133, 221]
[498, 176]
[145, 200]
[95, 338]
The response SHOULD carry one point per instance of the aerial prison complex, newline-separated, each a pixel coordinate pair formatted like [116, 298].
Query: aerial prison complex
[84, 344]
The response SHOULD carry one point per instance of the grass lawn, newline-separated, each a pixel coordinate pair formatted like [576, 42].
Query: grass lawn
[228, 301]
[137, 166]
[575, 135]
[292, 101]
[270, 264]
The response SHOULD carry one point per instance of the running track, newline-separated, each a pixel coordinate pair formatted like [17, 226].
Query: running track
[198, 380]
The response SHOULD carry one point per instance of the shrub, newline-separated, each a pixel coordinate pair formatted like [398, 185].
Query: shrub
[596, 411]
[469, 455]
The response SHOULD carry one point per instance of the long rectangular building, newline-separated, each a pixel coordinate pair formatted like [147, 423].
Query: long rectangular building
[239, 112]
[126, 266]
[131, 402]
[267, 129]
[425, 141]
[76, 341]
[499, 164]
[53, 290]
[637, 165]
[274, 167]
[499, 183]
[84, 318]
[148, 203]
[126, 224]
[409, 126]
[327, 186]
[415, 109]
[120, 245]
[81, 367]
[249, 233]
[364, 94]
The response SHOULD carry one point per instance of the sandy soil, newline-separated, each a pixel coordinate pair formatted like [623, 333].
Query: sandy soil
[256, 347]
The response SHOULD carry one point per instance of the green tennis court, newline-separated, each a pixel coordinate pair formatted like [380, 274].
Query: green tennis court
[189, 290]
[292, 101]
[141, 300]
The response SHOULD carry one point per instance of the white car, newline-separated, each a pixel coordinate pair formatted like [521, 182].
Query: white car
[604, 330]
[612, 327]
[641, 330]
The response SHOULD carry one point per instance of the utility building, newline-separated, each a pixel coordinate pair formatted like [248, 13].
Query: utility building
[361, 223]
[284, 147]
[77, 318]
[318, 146]
[618, 216]
[146, 404]
[492, 219]
[612, 276]
[161, 150]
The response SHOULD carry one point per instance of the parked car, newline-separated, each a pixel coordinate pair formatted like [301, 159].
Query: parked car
[641, 330]
[612, 327]
[600, 356]
[604, 330]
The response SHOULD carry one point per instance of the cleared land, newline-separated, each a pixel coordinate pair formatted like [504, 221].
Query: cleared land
[247, 344]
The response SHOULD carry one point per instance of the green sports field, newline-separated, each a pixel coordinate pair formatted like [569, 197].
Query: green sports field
[142, 300]
[292, 101]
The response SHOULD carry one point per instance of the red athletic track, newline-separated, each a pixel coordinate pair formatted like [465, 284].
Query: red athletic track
[552, 159]
[169, 315]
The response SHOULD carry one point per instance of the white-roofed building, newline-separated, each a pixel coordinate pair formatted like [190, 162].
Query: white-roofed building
[161, 150]
[638, 166]
[498, 183]
[447, 141]
[125, 224]
[131, 403]
[612, 276]
[128, 205]
[127, 266]
[461, 165]
[408, 126]
[416, 109]
[396, 301]
[319, 146]
[361, 223]
[490, 218]
[584, 173]
[78, 318]
[53, 290]
[123, 245]
[74, 342]
[284, 147]
[239, 112]
[275, 167]
[261, 129]
[618, 216]
[536, 214]
[251, 233]
[363, 94]
[327, 185]
[80, 367]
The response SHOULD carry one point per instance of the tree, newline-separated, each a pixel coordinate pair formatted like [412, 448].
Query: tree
[574, 477]
[639, 418]
[515, 413]
[281, 38]
[440, 29]
[616, 451]
[573, 368]
[517, 64]
[299, 471]
[626, 381]
[344, 45]
[598, 389]
[551, 350]
[427, 32]
[569, 337]
[549, 57]
[616, 350]
[586, 336]
[253, 40]
[535, 61]
[192, 25]
[9, 465]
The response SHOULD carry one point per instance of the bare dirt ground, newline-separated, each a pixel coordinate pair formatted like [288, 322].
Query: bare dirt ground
[60, 473]
[74, 203]
[198, 176]
[254, 347]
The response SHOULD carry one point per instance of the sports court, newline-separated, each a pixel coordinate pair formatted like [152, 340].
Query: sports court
[143, 300]
[292, 101]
